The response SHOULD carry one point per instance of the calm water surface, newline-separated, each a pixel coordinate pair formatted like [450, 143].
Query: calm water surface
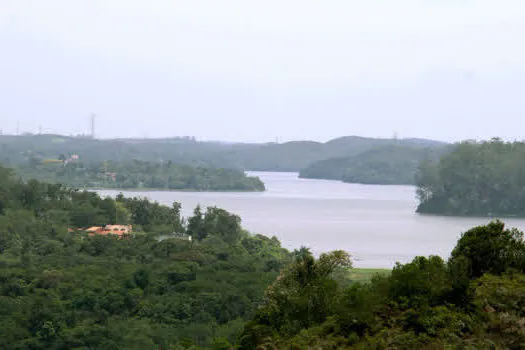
[376, 224]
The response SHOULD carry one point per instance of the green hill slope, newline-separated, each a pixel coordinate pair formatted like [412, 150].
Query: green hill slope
[61, 288]
[391, 164]
[289, 156]
[474, 300]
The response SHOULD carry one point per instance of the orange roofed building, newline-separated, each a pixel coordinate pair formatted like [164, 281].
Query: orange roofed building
[118, 230]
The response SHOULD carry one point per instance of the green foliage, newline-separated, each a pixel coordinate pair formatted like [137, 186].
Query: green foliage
[150, 216]
[387, 165]
[141, 174]
[221, 344]
[303, 293]
[364, 274]
[481, 179]
[491, 249]
[150, 290]
[425, 304]
[289, 156]
[62, 289]
[421, 282]
[503, 300]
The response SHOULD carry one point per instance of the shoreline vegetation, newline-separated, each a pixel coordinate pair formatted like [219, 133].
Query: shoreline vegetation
[165, 190]
[213, 285]
[483, 179]
[140, 175]
[471, 179]
[385, 165]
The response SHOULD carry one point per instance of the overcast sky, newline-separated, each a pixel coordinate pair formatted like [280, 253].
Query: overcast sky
[256, 70]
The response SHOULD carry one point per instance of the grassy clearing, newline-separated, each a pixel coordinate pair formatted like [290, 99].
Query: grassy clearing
[365, 274]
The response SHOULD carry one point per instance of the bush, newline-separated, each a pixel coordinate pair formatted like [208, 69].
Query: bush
[491, 249]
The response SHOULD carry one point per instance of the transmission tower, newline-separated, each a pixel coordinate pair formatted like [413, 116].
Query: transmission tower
[92, 125]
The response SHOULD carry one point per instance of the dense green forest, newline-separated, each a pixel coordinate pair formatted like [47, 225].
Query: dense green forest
[289, 156]
[225, 288]
[476, 178]
[475, 300]
[135, 174]
[386, 165]
[68, 290]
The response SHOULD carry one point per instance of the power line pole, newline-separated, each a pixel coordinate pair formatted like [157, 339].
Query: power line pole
[92, 125]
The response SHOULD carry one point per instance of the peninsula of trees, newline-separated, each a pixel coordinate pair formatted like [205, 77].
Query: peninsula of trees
[385, 165]
[135, 174]
[475, 179]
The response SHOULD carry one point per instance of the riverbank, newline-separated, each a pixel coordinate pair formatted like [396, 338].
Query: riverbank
[186, 190]
[377, 225]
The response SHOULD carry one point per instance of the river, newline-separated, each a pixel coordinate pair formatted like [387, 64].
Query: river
[376, 224]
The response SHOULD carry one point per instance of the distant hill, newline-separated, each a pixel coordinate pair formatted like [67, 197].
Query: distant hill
[297, 155]
[389, 165]
[289, 156]
[20, 149]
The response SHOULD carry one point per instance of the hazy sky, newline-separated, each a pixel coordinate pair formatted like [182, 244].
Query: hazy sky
[256, 70]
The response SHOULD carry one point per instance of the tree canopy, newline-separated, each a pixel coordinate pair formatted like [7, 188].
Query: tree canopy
[61, 288]
[386, 165]
[474, 300]
[135, 174]
[477, 178]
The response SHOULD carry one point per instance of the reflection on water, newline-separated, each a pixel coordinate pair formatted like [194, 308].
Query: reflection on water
[377, 224]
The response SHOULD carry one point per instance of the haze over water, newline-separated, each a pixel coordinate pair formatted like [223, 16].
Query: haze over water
[376, 224]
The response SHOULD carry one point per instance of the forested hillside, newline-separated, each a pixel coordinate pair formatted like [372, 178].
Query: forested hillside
[476, 178]
[475, 300]
[26, 148]
[61, 288]
[64, 289]
[135, 174]
[289, 156]
[388, 165]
